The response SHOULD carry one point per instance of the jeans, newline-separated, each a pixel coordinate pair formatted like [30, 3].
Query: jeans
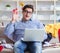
[34, 47]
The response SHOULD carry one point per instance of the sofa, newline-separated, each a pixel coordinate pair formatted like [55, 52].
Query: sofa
[8, 41]
[2, 36]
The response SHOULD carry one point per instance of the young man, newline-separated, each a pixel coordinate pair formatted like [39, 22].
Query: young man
[16, 30]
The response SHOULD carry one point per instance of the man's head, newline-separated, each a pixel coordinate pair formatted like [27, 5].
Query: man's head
[27, 12]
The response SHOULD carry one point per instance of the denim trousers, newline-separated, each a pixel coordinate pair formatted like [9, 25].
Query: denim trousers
[34, 47]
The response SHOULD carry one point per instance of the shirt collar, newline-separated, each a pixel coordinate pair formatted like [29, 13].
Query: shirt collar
[27, 20]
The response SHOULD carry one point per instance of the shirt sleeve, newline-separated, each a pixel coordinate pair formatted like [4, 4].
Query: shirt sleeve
[9, 30]
[41, 26]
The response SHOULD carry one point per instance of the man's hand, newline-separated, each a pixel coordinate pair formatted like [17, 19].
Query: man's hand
[15, 15]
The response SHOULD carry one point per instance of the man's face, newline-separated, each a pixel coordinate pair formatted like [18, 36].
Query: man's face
[27, 13]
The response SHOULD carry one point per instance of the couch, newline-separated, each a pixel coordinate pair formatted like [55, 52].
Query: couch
[53, 40]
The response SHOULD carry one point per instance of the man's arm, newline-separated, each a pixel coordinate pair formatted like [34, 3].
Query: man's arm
[9, 30]
[10, 27]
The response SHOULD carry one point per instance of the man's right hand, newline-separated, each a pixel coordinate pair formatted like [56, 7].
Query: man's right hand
[15, 15]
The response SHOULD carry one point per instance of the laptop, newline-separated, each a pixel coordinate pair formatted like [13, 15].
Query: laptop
[34, 35]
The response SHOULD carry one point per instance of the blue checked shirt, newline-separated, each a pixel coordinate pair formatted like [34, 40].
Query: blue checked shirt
[15, 31]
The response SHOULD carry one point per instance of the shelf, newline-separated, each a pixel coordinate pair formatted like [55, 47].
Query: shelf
[7, 10]
[5, 20]
[4, 8]
[58, 10]
[45, 0]
[58, 2]
[27, 0]
[45, 3]
[47, 21]
[30, 2]
[47, 11]
[57, 21]
[16, 0]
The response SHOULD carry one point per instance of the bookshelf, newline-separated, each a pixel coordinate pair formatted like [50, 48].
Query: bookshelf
[47, 11]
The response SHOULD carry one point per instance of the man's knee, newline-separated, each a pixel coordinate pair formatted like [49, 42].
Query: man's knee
[37, 45]
[16, 45]
[20, 45]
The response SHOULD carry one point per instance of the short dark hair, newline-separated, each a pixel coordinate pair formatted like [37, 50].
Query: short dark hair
[28, 6]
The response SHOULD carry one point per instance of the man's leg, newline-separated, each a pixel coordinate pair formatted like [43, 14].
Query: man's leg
[19, 47]
[36, 47]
